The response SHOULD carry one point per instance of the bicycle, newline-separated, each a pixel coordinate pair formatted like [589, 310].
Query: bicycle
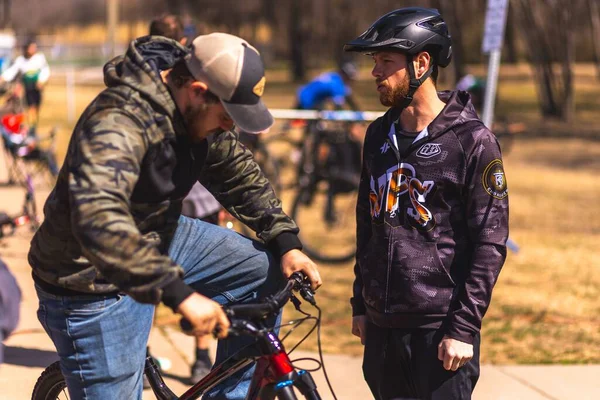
[321, 162]
[268, 164]
[275, 375]
[28, 215]
[27, 153]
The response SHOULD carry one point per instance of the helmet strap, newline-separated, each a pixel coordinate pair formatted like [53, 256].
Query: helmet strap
[414, 83]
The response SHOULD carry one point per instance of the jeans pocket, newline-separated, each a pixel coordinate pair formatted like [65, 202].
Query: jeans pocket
[89, 306]
[418, 281]
[42, 315]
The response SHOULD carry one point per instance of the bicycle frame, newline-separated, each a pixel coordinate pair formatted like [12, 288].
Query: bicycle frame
[274, 374]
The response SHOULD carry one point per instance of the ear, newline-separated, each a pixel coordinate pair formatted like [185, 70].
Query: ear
[422, 62]
[198, 88]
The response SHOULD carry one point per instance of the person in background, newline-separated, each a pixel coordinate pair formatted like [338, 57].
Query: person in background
[432, 218]
[199, 203]
[10, 298]
[34, 73]
[334, 86]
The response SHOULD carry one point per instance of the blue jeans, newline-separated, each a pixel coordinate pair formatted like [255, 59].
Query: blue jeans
[101, 340]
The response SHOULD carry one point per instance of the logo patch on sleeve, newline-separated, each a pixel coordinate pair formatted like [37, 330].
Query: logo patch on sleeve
[494, 180]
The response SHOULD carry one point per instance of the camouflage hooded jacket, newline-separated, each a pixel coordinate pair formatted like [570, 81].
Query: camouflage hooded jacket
[110, 219]
[432, 223]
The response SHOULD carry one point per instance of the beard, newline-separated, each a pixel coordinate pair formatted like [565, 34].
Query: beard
[395, 96]
[194, 118]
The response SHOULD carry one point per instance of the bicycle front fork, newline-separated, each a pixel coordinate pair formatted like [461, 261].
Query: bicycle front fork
[159, 387]
[302, 380]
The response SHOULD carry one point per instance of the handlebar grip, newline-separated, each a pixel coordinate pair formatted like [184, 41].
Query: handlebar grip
[185, 325]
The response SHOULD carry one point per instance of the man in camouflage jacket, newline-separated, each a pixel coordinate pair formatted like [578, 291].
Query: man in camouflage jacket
[113, 243]
[432, 219]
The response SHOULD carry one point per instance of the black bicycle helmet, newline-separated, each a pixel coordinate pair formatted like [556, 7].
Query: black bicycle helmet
[410, 31]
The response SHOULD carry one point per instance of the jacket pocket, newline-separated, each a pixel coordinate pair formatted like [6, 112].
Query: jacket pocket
[373, 268]
[417, 280]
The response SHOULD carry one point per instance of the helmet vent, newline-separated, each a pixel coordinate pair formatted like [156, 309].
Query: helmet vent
[434, 24]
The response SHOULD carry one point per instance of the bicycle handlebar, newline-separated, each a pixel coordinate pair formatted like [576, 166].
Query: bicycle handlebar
[237, 313]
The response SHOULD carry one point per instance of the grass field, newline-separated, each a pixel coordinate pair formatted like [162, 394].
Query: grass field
[546, 306]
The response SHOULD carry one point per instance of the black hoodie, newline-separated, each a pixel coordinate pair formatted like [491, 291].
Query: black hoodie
[432, 223]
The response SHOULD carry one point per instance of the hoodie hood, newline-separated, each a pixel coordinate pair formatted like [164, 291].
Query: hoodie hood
[140, 69]
[458, 111]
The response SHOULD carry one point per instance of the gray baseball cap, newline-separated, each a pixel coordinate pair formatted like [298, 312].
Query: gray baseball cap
[234, 71]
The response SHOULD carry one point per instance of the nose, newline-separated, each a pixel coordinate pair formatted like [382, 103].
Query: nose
[226, 122]
[376, 71]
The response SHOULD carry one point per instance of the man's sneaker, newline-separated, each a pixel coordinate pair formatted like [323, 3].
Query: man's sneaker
[200, 369]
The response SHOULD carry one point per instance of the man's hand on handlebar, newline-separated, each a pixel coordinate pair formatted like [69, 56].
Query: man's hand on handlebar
[206, 316]
[294, 261]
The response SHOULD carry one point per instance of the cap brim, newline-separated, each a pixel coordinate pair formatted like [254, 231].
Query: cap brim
[251, 118]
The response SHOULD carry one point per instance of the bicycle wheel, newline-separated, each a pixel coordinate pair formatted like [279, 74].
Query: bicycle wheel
[269, 166]
[286, 152]
[50, 385]
[327, 222]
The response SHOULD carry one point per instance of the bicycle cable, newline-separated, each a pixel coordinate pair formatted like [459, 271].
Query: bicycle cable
[319, 365]
[321, 352]
[317, 325]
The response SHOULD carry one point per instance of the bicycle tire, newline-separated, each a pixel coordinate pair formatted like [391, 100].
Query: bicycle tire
[323, 239]
[269, 166]
[50, 384]
[286, 152]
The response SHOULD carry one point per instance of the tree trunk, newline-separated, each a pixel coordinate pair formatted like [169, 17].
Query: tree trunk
[5, 21]
[297, 42]
[594, 9]
[509, 37]
[568, 107]
[543, 27]
[450, 13]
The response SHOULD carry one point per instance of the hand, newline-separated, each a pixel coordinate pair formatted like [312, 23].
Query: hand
[204, 315]
[294, 261]
[454, 353]
[359, 327]
[39, 86]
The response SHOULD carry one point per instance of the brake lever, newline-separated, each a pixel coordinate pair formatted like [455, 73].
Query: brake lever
[307, 294]
[303, 286]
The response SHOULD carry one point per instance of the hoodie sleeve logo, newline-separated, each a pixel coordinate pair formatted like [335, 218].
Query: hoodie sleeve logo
[494, 180]
[429, 150]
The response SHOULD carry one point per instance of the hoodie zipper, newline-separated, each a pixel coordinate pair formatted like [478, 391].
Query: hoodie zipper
[394, 148]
